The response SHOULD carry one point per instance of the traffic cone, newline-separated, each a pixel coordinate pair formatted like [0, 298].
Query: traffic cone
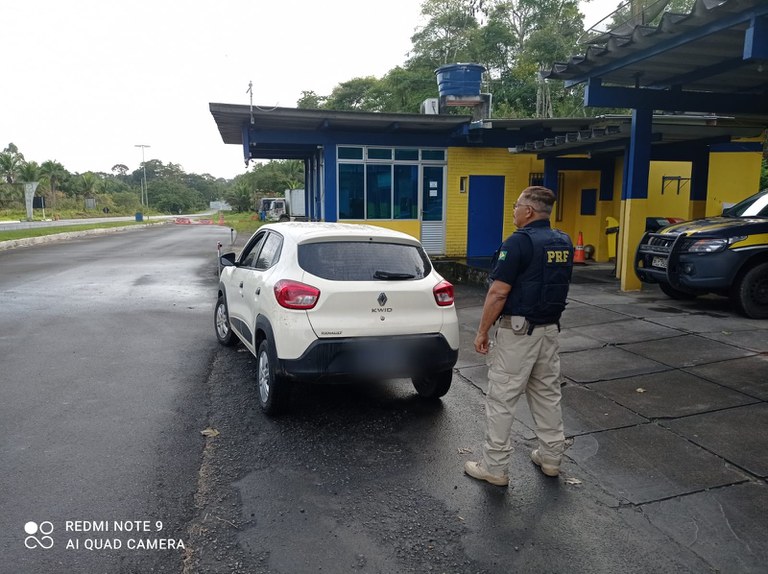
[578, 254]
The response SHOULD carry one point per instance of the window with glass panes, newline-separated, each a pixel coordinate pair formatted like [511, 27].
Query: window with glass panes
[381, 182]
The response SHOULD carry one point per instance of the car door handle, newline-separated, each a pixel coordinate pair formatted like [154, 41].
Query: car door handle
[258, 290]
[241, 284]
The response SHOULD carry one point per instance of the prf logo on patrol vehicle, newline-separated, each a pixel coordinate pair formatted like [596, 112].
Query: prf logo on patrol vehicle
[557, 255]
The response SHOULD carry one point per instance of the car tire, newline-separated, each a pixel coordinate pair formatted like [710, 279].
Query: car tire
[433, 386]
[750, 292]
[273, 390]
[677, 294]
[221, 324]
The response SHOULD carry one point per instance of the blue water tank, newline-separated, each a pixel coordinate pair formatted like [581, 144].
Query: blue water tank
[459, 79]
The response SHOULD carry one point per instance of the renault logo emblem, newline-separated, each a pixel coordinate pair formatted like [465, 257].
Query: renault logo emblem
[382, 299]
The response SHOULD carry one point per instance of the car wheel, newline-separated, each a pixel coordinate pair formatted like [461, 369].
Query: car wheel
[224, 333]
[750, 292]
[433, 386]
[670, 291]
[273, 389]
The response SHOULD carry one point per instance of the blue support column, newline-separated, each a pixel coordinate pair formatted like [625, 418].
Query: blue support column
[330, 207]
[550, 175]
[639, 156]
[606, 181]
[699, 181]
[637, 162]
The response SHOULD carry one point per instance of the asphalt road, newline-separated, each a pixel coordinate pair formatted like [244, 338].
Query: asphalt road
[105, 347]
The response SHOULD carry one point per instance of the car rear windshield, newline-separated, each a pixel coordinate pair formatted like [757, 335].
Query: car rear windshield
[364, 261]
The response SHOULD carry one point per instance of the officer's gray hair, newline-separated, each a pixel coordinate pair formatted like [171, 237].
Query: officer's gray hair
[541, 198]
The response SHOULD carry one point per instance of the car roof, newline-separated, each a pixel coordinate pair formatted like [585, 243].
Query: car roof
[303, 231]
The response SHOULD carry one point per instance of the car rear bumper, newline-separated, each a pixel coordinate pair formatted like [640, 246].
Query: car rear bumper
[380, 357]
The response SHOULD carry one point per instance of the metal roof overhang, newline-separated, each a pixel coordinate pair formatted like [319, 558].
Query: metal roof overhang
[307, 127]
[610, 134]
[712, 60]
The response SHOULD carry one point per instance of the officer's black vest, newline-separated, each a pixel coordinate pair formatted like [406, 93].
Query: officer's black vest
[540, 291]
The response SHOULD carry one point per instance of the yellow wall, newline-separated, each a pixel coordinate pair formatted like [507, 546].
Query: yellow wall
[465, 162]
[670, 198]
[732, 177]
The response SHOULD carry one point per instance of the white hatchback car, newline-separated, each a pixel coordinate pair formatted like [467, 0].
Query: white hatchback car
[322, 302]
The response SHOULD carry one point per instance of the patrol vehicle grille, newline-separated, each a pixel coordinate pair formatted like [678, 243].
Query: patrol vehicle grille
[660, 243]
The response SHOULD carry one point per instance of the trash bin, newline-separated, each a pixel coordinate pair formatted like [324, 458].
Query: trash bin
[139, 216]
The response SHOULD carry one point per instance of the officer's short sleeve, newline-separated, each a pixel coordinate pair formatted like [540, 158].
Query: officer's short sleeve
[512, 256]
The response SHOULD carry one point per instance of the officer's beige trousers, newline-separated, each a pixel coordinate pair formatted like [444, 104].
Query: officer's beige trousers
[520, 364]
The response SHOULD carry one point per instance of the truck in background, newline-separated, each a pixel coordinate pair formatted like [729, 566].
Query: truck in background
[292, 207]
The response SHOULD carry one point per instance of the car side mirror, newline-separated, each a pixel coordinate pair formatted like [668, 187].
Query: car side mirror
[227, 260]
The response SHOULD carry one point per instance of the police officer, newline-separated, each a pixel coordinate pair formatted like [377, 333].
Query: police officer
[530, 279]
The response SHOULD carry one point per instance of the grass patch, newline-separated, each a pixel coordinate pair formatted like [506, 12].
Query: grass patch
[243, 223]
[12, 234]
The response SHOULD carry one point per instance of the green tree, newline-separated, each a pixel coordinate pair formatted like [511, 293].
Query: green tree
[10, 163]
[209, 188]
[120, 169]
[172, 196]
[309, 100]
[29, 172]
[240, 196]
[274, 177]
[362, 94]
[52, 173]
[447, 36]
[406, 87]
[88, 184]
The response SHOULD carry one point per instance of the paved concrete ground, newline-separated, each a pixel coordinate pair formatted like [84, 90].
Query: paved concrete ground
[666, 401]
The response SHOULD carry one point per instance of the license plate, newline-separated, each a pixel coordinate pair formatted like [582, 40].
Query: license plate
[659, 262]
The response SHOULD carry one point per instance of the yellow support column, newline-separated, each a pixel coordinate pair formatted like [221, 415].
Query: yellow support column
[632, 227]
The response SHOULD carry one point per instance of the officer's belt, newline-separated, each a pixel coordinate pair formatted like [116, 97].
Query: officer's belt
[505, 322]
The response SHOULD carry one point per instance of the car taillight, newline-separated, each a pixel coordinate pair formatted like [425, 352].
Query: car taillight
[443, 292]
[295, 295]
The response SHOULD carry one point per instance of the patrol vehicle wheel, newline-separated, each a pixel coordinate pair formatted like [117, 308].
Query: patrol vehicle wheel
[224, 333]
[670, 291]
[273, 389]
[433, 386]
[750, 293]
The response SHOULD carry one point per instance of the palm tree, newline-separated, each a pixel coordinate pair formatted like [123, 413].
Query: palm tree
[29, 172]
[88, 183]
[10, 164]
[291, 173]
[53, 172]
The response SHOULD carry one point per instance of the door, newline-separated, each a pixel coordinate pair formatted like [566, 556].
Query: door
[485, 220]
[433, 209]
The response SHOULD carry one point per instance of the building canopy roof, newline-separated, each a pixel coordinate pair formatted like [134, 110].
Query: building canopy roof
[720, 47]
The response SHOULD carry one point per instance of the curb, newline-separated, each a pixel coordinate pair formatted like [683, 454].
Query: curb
[27, 241]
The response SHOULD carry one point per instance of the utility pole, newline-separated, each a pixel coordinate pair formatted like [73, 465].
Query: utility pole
[144, 195]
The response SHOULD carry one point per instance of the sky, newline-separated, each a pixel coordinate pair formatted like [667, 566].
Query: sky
[86, 81]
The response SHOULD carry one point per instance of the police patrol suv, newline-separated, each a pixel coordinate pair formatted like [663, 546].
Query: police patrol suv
[726, 255]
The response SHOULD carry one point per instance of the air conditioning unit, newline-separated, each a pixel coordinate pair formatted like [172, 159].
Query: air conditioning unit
[430, 106]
